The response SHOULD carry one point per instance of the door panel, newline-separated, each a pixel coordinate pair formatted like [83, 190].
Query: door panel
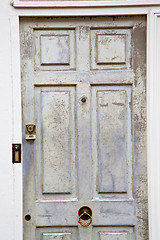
[57, 234]
[63, 43]
[114, 233]
[111, 131]
[84, 86]
[111, 48]
[55, 114]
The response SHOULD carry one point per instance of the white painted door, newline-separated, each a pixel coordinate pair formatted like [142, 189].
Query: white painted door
[84, 87]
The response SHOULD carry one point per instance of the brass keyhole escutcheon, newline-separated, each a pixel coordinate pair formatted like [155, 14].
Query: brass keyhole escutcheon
[85, 216]
[30, 131]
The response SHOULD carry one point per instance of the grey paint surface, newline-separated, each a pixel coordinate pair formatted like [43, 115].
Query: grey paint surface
[86, 153]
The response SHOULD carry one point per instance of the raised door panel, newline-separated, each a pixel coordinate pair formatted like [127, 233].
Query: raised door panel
[54, 49]
[111, 48]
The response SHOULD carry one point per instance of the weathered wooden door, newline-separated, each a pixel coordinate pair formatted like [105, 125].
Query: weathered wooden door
[84, 87]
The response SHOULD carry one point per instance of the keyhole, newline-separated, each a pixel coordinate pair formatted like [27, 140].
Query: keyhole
[30, 128]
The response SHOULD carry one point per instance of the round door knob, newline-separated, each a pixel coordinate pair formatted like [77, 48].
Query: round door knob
[28, 217]
[83, 100]
[85, 216]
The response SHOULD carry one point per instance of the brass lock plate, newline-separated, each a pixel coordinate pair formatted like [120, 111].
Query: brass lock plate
[16, 153]
[30, 131]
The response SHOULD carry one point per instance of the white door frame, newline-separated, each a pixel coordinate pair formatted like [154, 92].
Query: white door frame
[11, 174]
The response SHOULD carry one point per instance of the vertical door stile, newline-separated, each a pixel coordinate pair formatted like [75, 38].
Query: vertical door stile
[83, 111]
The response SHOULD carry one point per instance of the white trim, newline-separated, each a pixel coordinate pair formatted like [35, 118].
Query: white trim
[15, 54]
[61, 12]
[43, 3]
[17, 126]
[156, 140]
[6, 169]
[150, 121]
[92, 11]
[153, 123]
[153, 97]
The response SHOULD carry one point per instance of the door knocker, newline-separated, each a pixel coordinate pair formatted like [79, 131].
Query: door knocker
[85, 216]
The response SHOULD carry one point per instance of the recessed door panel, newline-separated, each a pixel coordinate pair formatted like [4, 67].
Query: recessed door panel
[114, 233]
[55, 109]
[112, 131]
[84, 91]
[64, 233]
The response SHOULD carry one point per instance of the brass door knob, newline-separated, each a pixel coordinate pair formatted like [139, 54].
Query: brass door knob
[85, 216]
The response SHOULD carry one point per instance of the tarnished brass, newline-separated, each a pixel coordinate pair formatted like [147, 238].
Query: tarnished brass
[16, 153]
[30, 131]
[85, 216]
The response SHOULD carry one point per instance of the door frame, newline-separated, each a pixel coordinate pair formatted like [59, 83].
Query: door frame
[153, 110]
